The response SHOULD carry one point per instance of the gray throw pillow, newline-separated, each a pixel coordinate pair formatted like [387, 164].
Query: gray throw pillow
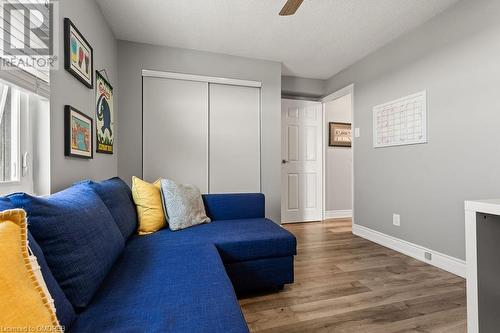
[183, 205]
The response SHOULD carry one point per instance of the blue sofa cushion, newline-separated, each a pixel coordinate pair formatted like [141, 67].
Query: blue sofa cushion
[117, 196]
[158, 287]
[236, 240]
[78, 237]
[234, 206]
[64, 310]
[6, 204]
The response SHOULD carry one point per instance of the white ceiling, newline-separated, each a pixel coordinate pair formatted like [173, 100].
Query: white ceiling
[324, 37]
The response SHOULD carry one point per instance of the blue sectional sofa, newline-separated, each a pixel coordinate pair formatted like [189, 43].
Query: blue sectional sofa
[105, 278]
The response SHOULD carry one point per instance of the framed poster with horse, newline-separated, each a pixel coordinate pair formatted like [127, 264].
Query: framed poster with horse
[104, 115]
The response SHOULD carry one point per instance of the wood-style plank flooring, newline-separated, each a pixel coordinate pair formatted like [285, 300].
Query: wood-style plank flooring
[344, 283]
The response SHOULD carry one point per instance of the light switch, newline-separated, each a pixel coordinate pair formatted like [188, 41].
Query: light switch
[356, 132]
[396, 219]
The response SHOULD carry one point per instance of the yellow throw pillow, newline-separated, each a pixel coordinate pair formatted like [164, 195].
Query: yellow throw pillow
[24, 305]
[147, 198]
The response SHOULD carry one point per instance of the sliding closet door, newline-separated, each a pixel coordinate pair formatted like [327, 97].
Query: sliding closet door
[234, 139]
[175, 131]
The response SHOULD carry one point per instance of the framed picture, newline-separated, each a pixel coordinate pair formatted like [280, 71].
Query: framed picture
[78, 54]
[104, 115]
[77, 133]
[340, 135]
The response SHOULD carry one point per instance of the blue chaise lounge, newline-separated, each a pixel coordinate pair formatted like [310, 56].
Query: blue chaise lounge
[105, 278]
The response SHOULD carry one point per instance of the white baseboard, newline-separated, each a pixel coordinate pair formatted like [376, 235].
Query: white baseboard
[337, 214]
[440, 260]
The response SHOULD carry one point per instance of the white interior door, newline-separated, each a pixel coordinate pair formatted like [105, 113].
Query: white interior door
[175, 131]
[301, 173]
[234, 139]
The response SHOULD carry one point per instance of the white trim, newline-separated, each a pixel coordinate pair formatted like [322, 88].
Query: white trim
[491, 206]
[353, 122]
[260, 141]
[471, 259]
[338, 214]
[200, 78]
[339, 93]
[323, 166]
[3, 98]
[453, 265]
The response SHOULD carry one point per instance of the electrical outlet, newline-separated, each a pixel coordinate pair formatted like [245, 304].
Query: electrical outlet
[428, 255]
[396, 219]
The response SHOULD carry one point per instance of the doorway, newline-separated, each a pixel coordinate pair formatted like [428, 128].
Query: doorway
[316, 175]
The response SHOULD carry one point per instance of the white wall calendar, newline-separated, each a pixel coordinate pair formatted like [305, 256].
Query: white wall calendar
[401, 122]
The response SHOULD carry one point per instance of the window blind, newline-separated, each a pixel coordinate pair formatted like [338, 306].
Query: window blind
[23, 74]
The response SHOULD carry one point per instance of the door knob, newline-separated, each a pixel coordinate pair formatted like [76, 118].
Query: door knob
[284, 161]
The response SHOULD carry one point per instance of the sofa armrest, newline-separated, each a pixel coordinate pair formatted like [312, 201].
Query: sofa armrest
[234, 206]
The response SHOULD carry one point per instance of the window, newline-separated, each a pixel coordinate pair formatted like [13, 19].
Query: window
[24, 141]
[10, 105]
[24, 96]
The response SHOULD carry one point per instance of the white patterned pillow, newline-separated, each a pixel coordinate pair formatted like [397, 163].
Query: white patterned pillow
[183, 205]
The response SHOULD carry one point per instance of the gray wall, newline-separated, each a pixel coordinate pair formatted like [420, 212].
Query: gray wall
[292, 86]
[456, 58]
[66, 89]
[338, 164]
[134, 57]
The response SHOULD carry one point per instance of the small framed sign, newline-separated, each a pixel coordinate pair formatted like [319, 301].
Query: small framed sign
[104, 115]
[340, 135]
[77, 133]
[78, 54]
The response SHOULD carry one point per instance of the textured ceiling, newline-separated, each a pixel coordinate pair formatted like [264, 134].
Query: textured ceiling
[324, 37]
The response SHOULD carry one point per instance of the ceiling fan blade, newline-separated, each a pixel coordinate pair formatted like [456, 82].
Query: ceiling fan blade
[290, 7]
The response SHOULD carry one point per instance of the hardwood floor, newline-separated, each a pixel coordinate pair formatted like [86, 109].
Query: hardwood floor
[344, 283]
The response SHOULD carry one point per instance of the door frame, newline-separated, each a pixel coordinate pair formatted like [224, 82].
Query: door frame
[329, 98]
[200, 78]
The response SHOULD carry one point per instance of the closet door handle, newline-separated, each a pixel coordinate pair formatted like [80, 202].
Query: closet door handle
[284, 161]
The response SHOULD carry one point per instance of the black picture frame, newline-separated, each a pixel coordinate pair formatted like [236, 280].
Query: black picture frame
[68, 65]
[332, 138]
[69, 111]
